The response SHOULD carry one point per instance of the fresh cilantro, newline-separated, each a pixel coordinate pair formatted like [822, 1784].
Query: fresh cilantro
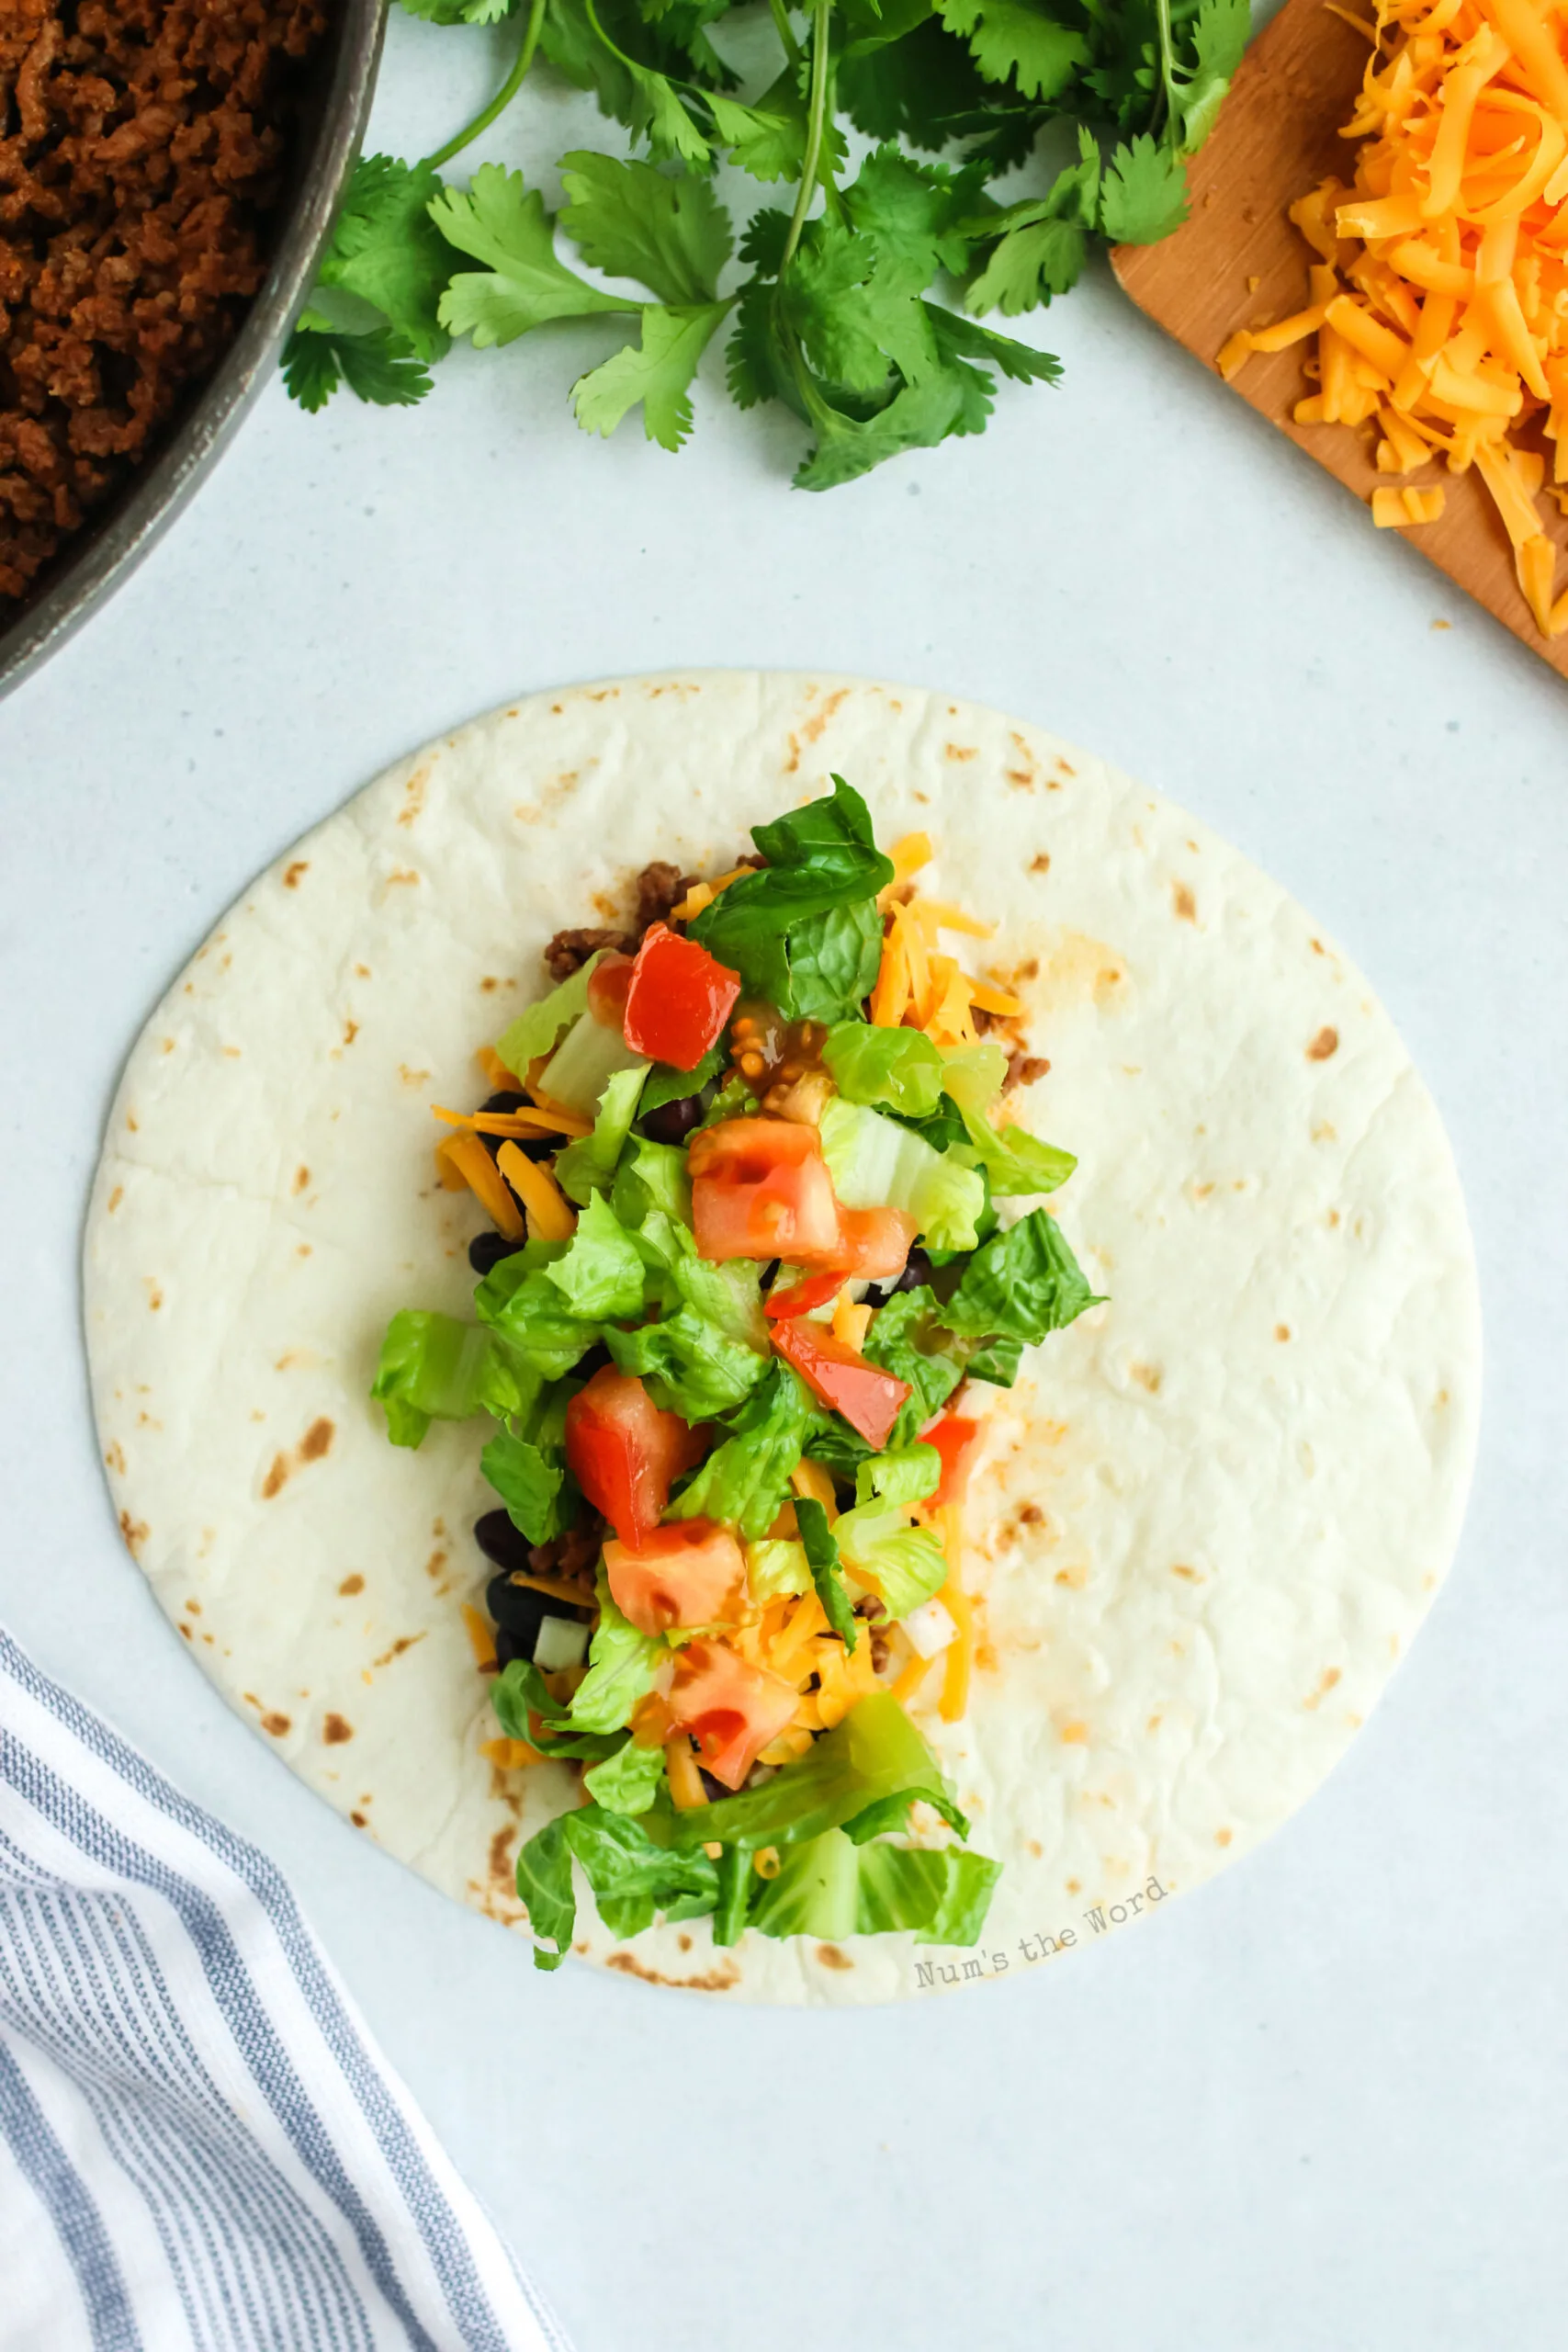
[633, 221]
[1011, 41]
[658, 372]
[500, 223]
[387, 249]
[1144, 194]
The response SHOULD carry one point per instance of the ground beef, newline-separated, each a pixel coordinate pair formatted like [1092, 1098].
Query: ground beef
[572, 1556]
[1024, 1069]
[570, 950]
[658, 887]
[142, 145]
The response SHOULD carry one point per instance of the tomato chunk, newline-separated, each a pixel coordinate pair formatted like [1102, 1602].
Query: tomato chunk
[761, 1188]
[609, 984]
[954, 1437]
[679, 1000]
[801, 1297]
[624, 1451]
[868, 1397]
[692, 1573]
[731, 1710]
[875, 1242]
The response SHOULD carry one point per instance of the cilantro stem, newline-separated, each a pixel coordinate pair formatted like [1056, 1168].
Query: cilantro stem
[502, 98]
[785, 30]
[1167, 113]
[821, 12]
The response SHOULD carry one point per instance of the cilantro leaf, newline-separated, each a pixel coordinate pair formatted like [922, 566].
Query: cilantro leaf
[1219, 37]
[847, 446]
[380, 368]
[387, 250]
[1144, 194]
[1011, 41]
[500, 223]
[631, 221]
[459, 12]
[310, 370]
[658, 373]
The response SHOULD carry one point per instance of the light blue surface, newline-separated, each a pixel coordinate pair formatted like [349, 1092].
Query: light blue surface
[1314, 2107]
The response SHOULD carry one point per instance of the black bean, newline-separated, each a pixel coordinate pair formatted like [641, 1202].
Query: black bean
[673, 1122]
[598, 1359]
[915, 1274]
[509, 1645]
[500, 1542]
[503, 1105]
[487, 1249]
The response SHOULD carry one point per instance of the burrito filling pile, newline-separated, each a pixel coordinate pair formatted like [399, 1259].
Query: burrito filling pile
[753, 1191]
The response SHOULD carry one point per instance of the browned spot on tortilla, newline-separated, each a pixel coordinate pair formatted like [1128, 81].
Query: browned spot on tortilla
[1036, 1847]
[413, 795]
[275, 1725]
[716, 1980]
[685, 1940]
[276, 1477]
[412, 1077]
[116, 1197]
[1327, 1042]
[358, 1820]
[986, 1659]
[1224, 1836]
[815, 726]
[1201, 1192]
[1180, 1568]
[960, 751]
[291, 873]
[1318, 948]
[793, 763]
[115, 1458]
[500, 1859]
[1154, 1722]
[1281, 1331]
[831, 1956]
[130, 1121]
[1028, 971]
[168, 1047]
[1075, 1886]
[489, 984]
[302, 1177]
[404, 1642]
[402, 874]
[1186, 905]
[154, 1295]
[316, 1441]
[1073, 1735]
[194, 1607]
[303, 1250]
[1074, 1578]
[1329, 1678]
[351, 1585]
[1031, 1515]
[186, 1632]
[135, 1531]
[1065, 767]
[334, 1730]
[1148, 1376]
[363, 970]
[1021, 778]
[350, 1032]
[1041, 864]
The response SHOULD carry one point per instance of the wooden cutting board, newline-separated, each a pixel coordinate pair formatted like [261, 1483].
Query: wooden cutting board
[1238, 262]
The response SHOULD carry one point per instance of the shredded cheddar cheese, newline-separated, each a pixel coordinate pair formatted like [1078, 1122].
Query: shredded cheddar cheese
[550, 1213]
[481, 1635]
[686, 1788]
[850, 1324]
[526, 1122]
[499, 1079]
[703, 894]
[1439, 294]
[511, 1755]
[810, 1480]
[465, 1152]
[958, 1655]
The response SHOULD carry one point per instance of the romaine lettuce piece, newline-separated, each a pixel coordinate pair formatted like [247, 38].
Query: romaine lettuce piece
[900, 1068]
[631, 1877]
[776, 1568]
[518, 1299]
[536, 1028]
[524, 1710]
[906, 1564]
[623, 1666]
[628, 1782]
[745, 1480]
[599, 1274]
[906, 1473]
[877, 1163]
[651, 1176]
[583, 1064]
[691, 1368]
[821, 858]
[907, 1338]
[875, 1752]
[532, 1482]
[1023, 1284]
[1015, 1161]
[822, 1555]
[667, 1084]
[816, 1892]
[831, 1888]
[434, 1368]
[588, 1165]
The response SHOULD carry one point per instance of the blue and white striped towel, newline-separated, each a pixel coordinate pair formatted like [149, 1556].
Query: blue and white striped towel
[201, 2149]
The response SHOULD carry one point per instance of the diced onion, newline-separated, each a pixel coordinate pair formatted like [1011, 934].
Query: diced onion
[931, 1629]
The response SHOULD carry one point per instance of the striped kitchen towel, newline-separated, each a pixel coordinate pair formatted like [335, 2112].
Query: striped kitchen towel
[201, 2150]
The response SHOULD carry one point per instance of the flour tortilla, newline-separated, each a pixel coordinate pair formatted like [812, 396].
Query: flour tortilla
[1206, 1522]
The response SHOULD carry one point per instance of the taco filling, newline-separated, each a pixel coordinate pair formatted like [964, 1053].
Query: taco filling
[754, 1193]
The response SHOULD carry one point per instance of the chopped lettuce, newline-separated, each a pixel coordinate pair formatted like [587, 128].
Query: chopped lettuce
[1015, 1161]
[776, 1568]
[545, 1890]
[1023, 1284]
[518, 1299]
[728, 1295]
[628, 1782]
[599, 1274]
[821, 859]
[536, 1030]
[822, 1553]
[622, 1666]
[875, 1752]
[434, 1368]
[831, 1888]
[906, 1564]
[900, 1068]
[582, 1066]
[651, 1176]
[877, 1163]
[631, 1877]
[907, 1474]
[689, 1365]
[733, 1099]
[906, 1338]
[588, 1165]
[532, 1481]
[524, 1710]
[667, 1084]
[745, 1480]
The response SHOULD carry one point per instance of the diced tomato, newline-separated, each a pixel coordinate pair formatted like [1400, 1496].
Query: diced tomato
[731, 1710]
[875, 1242]
[955, 1438]
[801, 1297]
[624, 1451]
[868, 1397]
[609, 984]
[680, 999]
[692, 1573]
[761, 1188]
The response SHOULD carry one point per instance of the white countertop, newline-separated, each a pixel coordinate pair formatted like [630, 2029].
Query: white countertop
[1316, 2105]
